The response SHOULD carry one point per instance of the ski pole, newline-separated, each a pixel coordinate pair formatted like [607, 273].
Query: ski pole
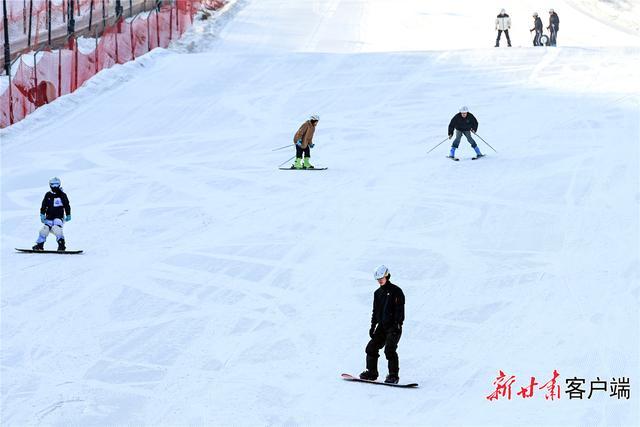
[437, 145]
[281, 148]
[485, 142]
[288, 160]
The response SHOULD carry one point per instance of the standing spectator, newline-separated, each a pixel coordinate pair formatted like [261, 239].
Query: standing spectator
[554, 26]
[537, 27]
[503, 23]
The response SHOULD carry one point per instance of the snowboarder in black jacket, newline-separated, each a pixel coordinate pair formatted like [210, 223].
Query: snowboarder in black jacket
[386, 327]
[52, 214]
[537, 27]
[464, 123]
[554, 26]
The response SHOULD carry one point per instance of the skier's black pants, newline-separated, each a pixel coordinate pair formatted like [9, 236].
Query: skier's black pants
[536, 39]
[554, 36]
[506, 33]
[389, 340]
[306, 151]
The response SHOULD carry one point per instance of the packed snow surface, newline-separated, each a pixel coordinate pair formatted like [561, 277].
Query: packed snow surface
[216, 289]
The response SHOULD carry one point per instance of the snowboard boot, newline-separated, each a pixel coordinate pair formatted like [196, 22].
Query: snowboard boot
[369, 375]
[38, 247]
[298, 163]
[61, 245]
[392, 379]
[307, 165]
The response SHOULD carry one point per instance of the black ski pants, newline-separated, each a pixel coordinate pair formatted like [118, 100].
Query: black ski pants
[306, 151]
[389, 340]
[554, 35]
[536, 39]
[506, 33]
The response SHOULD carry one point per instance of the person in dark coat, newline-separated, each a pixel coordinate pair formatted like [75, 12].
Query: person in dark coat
[554, 26]
[55, 210]
[386, 327]
[464, 123]
[537, 27]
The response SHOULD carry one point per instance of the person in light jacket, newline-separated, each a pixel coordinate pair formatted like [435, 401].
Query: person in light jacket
[503, 23]
[303, 141]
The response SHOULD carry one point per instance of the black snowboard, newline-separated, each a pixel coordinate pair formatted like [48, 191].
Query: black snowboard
[31, 251]
[356, 379]
[303, 169]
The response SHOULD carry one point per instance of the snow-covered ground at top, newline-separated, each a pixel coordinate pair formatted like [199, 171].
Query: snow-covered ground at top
[217, 290]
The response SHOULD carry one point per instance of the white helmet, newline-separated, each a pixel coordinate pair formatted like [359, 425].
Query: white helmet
[503, 11]
[464, 109]
[535, 14]
[550, 10]
[381, 272]
[314, 118]
[54, 182]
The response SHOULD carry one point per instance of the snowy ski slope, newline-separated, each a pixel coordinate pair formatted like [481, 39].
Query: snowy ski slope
[217, 290]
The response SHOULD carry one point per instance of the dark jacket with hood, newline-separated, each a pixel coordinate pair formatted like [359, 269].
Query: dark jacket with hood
[55, 203]
[537, 25]
[554, 21]
[463, 123]
[388, 307]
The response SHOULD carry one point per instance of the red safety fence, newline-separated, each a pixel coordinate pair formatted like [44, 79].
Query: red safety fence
[41, 78]
[28, 19]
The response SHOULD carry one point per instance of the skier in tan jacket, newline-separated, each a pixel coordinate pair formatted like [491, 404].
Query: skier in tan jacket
[303, 141]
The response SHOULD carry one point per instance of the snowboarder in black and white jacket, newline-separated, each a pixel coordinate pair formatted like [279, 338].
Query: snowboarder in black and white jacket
[554, 26]
[386, 327]
[503, 23]
[54, 212]
[537, 27]
[464, 123]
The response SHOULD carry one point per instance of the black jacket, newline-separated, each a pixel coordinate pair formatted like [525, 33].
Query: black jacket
[463, 124]
[55, 204]
[537, 25]
[388, 307]
[554, 20]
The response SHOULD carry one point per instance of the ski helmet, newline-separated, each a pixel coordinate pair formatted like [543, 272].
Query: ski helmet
[550, 10]
[54, 182]
[464, 109]
[503, 11]
[535, 14]
[381, 272]
[314, 118]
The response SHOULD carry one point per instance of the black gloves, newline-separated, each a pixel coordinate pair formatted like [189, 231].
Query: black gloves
[372, 331]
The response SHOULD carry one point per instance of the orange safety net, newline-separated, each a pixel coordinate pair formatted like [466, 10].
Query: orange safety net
[41, 78]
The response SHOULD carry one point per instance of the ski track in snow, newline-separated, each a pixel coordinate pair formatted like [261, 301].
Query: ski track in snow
[215, 289]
